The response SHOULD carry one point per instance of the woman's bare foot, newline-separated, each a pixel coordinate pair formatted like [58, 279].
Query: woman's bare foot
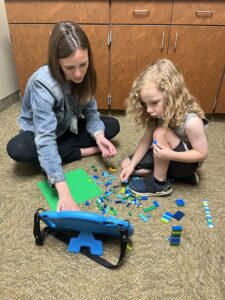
[89, 151]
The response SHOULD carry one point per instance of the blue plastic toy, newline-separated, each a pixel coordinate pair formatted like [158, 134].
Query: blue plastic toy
[86, 224]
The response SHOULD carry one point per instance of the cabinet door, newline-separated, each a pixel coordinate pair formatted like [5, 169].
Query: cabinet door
[53, 11]
[30, 48]
[98, 37]
[132, 49]
[199, 52]
[220, 107]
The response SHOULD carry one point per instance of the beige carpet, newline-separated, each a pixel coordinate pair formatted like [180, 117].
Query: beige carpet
[152, 269]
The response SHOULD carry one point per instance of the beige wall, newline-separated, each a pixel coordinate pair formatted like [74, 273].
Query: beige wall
[8, 80]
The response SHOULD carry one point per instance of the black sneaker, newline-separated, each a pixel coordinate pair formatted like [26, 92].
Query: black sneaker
[191, 179]
[149, 187]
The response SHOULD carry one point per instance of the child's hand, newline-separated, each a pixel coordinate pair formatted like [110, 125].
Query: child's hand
[163, 153]
[125, 173]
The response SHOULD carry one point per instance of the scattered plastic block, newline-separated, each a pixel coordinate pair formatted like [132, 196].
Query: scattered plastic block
[208, 214]
[144, 198]
[175, 236]
[156, 203]
[143, 218]
[149, 208]
[178, 215]
[180, 202]
[111, 169]
[166, 218]
[129, 247]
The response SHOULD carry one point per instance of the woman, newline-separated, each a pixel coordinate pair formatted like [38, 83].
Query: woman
[59, 119]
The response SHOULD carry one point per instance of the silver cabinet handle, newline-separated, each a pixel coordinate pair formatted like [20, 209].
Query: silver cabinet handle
[163, 39]
[204, 13]
[175, 43]
[141, 12]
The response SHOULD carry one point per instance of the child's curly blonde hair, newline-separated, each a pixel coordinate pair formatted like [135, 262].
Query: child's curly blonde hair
[177, 99]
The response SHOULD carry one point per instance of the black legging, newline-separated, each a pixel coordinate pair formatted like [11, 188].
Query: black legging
[22, 147]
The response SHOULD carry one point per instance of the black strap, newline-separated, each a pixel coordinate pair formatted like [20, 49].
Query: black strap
[38, 233]
[39, 236]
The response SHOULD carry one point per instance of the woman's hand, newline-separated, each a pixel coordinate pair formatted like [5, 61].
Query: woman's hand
[125, 173]
[106, 147]
[66, 201]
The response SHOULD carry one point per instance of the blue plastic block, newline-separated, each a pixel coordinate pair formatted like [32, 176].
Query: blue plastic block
[166, 218]
[177, 228]
[174, 239]
[143, 218]
[180, 202]
[156, 203]
[118, 201]
[167, 215]
[178, 215]
[144, 198]
[174, 243]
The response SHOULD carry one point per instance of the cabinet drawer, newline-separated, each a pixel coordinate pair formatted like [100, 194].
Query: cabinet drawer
[141, 12]
[53, 11]
[199, 12]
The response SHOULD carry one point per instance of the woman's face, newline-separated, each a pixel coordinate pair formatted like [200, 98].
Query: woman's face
[75, 66]
[153, 100]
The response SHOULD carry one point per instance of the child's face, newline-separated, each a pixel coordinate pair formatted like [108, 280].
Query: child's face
[153, 100]
[75, 66]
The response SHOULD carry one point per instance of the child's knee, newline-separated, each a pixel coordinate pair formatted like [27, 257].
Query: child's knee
[160, 133]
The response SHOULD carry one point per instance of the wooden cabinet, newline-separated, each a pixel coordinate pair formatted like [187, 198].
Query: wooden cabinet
[197, 52]
[141, 12]
[53, 11]
[135, 43]
[202, 12]
[197, 46]
[220, 107]
[32, 21]
[132, 49]
[125, 37]
[30, 48]
[189, 38]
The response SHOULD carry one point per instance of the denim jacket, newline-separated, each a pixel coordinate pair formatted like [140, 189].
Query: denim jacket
[46, 110]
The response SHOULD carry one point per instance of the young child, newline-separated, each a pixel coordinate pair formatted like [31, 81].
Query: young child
[174, 142]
